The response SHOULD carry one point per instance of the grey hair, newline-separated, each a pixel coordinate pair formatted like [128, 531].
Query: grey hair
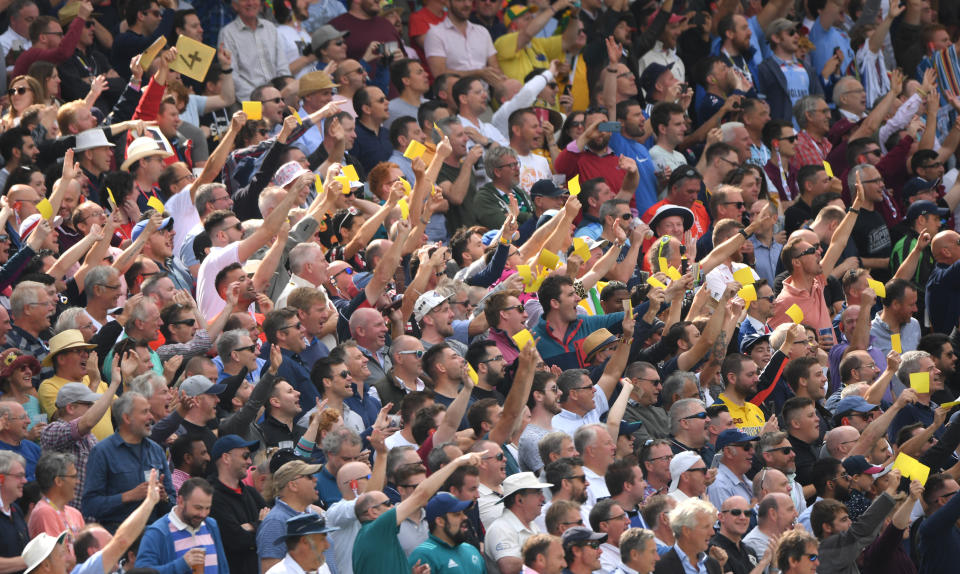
[270, 198]
[395, 458]
[447, 123]
[99, 275]
[51, 465]
[68, 319]
[803, 106]
[6, 408]
[674, 383]
[147, 383]
[228, 341]
[550, 443]
[7, 458]
[25, 293]
[852, 176]
[688, 512]
[585, 436]
[909, 364]
[681, 409]
[123, 405]
[302, 254]
[438, 457]
[139, 311]
[334, 441]
[493, 156]
[205, 196]
[610, 208]
[634, 539]
[728, 128]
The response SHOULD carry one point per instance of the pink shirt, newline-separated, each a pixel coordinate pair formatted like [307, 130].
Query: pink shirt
[812, 303]
[46, 518]
[463, 52]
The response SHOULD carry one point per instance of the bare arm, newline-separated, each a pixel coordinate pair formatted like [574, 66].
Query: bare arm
[909, 265]
[268, 266]
[131, 528]
[879, 426]
[723, 251]
[447, 430]
[618, 361]
[93, 415]
[842, 233]
[517, 396]
[711, 332]
[431, 485]
[271, 224]
[618, 408]
[388, 265]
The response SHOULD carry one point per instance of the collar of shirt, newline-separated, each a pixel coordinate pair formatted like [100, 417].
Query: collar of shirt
[785, 62]
[851, 116]
[297, 281]
[509, 516]
[290, 566]
[725, 472]
[243, 25]
[180, 524]
[685, 560]
[658, 47]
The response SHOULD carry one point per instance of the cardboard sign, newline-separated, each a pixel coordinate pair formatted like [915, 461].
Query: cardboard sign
[920, 382]
[350, 172]
[254, 110]
[45, 209]
[653, 281]
[146, 58]
[911, 468]
[548, 259]
[414, 150]
[522, 338]
[895, 342]
[662, 264]
[673, 273]
[879, 288]
[193, 58]
[795, 313]
[573, 186]
[744, 276]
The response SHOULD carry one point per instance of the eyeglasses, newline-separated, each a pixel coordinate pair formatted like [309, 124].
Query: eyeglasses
[190, 177]
[511, 165]
[245, 455]
[733, 163]
[736, 511]
[4, 238]
[357, 478]
[187, 322]
[576, 522]
[747, 446]
[517, 308]
[250, 348]
[791, 139]
[655, 382]
[576, 124]
[18, 91]
[498, 456]
[285, 327]
[493, 359]
[154, 13]
[874, 180]
[948, 494]
[74, 475]
[739, 204]
[347, 270]
[263, 131]
[582, 388]
[617, 517]
[417, 352]
[664, 457]
[386, 504]
[929, 166]
[768, 298]
[701, 415]
[783, 449]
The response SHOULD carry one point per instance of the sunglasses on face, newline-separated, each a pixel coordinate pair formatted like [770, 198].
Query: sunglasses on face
[188, 322]
[348, 271]
[626, 216]
[276, 100]
[808, 251]
[417, 352]
[517, 308]
[791, 139]
[592, 544]
[576, 124]
[783, 450]
[250, 348]
[736, 511]
[343, 374]
[701, 415]
[739, 204]
[285, 327]
[576, 522]
[18, 91]
[498, 456]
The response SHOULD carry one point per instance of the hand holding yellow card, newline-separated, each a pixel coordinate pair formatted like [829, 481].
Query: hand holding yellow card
[548, 259]
[744, 276]
[296, 115]
[920, 382]
[344, 184]
[254, 110]
[827, 168]
[404, 208]
[580, 248]
[45, 209]
[113, 202]
[350, 172]
[655, 282]
[525, 275]
[879, 288]
[522, 338]
[154, 203]
[673, 273]
[748, 293]
[473, 374]
[895, 342]
[795, 313]
[573, 186]
[911, 468]
[414, 150]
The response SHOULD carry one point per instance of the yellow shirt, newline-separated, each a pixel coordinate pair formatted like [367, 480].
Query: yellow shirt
[748, 418]
[47, 394]
[536, 55]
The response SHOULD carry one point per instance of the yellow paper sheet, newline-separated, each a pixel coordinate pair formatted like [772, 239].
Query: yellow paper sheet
[580, 248]
[548, 259]
[45, 209]
[150, 53]
[154, 203]
[525, 275]
[414, 150]
[522, 338]
[535, 286]
[655, 282]
[193, 58]
[879, 288]
[920, 382]
[296, 115]
[350, 172]
[254, 110]
[950, 405]
[673, 273]
[627, 308]
[573, 186]
[911, 468]
[827, 168]
[744, 276]
[404, 208]
[113, 201]
[344, 184]
[748, 293]
[473, 374]
[895, 342]
[795, 313]
[662, 263]
[406, 186]
[317, 184]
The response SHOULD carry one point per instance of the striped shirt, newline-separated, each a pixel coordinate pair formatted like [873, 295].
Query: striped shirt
[185, 538]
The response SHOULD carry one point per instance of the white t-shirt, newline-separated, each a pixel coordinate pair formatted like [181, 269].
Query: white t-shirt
[207, 297]
[664, 158]
[194, 109]
[533, 168]
[185, 216]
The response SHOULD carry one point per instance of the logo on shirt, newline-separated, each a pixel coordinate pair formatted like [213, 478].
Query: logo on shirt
[452, 564]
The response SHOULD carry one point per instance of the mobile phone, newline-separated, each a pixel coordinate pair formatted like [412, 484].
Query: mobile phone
[566, 90]
[609, 127]
[390, 47]
[542, 114]
[394, 421]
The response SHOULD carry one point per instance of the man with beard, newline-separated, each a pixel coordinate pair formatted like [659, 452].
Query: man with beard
[569, 483]
[945, 359]
[446, 550]
[595, 159]
[831, 481]
[487, 360]
[627, 142]
[542, 403]
[433, 313]
[739, 374]
[736, 51]
[189, 457]
[161, 547]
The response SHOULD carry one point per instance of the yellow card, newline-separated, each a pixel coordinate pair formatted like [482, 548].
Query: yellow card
[655, 282]
[950, 405]
[317, 184]
[522, 338]
[155, 204]
[146, 58]
[473, 374]
[535, 286]
[879, 288]
[673, 273]
[795, 313]
[744, 277]
[580, 248]
[662, 263]
[525, 275]
[827, 168]
[45, 209]
[548, 259]
[296, 115]
[406, 186]
[344, 184]
[414, 150]
[920, 382]
[254, 110]
[113, 202]
[404, 208]
[895, 342]
[748, 293]
[350, 172]
[911, 468]
[627, 308]
[193, 58]
[573, 185]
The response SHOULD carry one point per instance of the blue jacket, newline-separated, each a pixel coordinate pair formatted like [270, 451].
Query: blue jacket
[566, 353]
[156, 549]
[772, 83]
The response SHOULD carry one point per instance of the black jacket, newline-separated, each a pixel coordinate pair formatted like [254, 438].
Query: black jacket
[670, 564]
[230, 510]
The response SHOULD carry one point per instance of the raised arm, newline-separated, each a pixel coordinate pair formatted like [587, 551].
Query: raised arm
[838, 241]
[131, 528]
[228, 94]
[370, 226]
[723, 251]
[268, 267]
[271, 224]
[388, 265]
[447, 430]
[878, 428]
[688, 359]
[431, 485]
[618, 361]
[517, 397]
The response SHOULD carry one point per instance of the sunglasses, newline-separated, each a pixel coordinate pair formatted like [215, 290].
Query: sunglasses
[348, 271]
[702, 469]
[576, 124]
[735, 511]
[188, 322]
[791, 139]
[782, 449]
[277, 100]
[4, 238]
[808, 251]
[518, 308]
[626, 216]
[576, 522]
[285, 327]
[18, 91]
[417, 352]
[250, 348]
[263, 131]
[343, 374]
[739, 204]
[592, 544]
[812, 557]
[701, 415]
[499, 457]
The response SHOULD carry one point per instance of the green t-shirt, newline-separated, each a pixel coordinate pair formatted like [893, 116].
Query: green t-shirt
[443, 559]
[377, 549]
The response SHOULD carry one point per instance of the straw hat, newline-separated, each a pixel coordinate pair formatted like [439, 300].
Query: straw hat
[64, 341]
[314, 82]
[140, 148]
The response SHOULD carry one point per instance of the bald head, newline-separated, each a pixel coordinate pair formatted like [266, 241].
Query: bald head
[945, 248]
[349, 472]
[405, 343]
[840, 440]
[363, 318]
[807, 235]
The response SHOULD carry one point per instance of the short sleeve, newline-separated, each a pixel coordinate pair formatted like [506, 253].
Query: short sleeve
[433, 44]
[505, 544]
[552, 46]
[506, 46]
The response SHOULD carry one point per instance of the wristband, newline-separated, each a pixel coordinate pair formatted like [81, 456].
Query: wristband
[744, 233]
[853, 210]
[504, 240]
[227, 71]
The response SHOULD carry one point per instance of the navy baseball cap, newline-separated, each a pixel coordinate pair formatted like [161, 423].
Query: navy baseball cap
[230, 442]
[627, 429]
[854, 404]
[444, 502]
[924, 207]
[733, 436]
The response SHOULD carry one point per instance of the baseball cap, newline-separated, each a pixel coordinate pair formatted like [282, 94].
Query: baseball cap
[293, 470]
[680, 464]
[75, 393]
[230, 442]
[578, 534]
[854, 404]
[197, 385]
[750, 341]
[733, 436]
[443, 503]
[924, 207]
[426, 303]
[546, 188]
[166, 225]
[650, 75]
[858, 464]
